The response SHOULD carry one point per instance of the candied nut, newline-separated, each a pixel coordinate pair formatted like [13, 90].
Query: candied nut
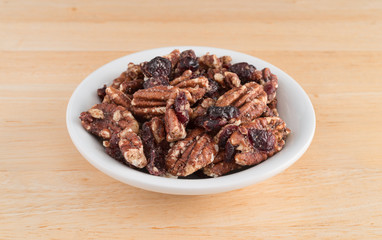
[249, 98]
[201, 109]
[177, 116]
[156, 81]
[130, 86]
[227, 79]
[155, 146]
[186, 75]
[187, 156]
[220, 167]
[134, 71]
[151, 102]
[173, 57]
[210, 61]
[118, 97]
[271, 109]
[196, 87]
[101, 92]
[132, 149]
[225, 61]
[104, 120]
[255, 141]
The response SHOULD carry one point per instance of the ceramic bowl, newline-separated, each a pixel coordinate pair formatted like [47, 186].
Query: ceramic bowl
[294, 106]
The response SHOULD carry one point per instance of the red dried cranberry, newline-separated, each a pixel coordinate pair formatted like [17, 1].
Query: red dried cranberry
[229, 152]
[101, 92]
[180, 104]
[187, 63]
[156, 81]
[227, 132]
[113, 149]
[213, 89]
[158, 66]
[188, 53]
[269, 88]
[244, 71]
[262, 140]
[227, 112]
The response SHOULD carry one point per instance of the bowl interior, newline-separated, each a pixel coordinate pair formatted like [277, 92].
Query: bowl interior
[294, 107]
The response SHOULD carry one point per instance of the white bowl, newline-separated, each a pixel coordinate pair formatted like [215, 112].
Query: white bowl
[293, 104]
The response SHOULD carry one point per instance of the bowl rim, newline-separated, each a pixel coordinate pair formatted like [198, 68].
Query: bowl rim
[188, 186]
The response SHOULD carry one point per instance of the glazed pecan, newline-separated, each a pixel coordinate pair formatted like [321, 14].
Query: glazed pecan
[219, 166]
[210, 61]
[201, 108]
[155, 145]
[255, 141]
[132, 149]
[117, 97]
[177, 116]
[197, 87]
[226, 61]
[105, 119]
[187, 156]
[227, 80]
[151, 102]
[173, 57]
[269, 81]
[271, 109]
[249, 98]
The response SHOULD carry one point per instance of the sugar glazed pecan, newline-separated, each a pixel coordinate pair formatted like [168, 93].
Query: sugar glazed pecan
[180, 114]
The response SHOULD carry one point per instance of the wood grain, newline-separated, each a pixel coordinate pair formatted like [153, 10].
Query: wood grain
[49, 191]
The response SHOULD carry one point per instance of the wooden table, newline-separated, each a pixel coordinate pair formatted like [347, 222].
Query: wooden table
[332, 48]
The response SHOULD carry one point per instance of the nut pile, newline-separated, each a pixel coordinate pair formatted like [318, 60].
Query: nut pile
[180, 114]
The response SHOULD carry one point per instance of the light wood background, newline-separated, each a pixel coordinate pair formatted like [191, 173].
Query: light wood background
[332, 48]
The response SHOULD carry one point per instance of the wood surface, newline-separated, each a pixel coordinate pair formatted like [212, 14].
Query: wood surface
[332, 48]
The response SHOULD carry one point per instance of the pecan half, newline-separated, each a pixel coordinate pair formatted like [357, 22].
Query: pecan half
[151, 102]
[255, 141]
[132, 149]
[177, 116]
[187, 156]
[249, 98]
[220, 167]
[118, 97]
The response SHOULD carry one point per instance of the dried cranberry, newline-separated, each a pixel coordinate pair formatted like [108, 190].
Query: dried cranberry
[244, 71]
[269, 88]
[188, 53]
[101, 92]
[187, 63]
[262, 140]
[158, 66]
[155, 153]
[227, 112]
[213, 89]
[156, 81]
[180, 104]
[229, 152]
[225, 134]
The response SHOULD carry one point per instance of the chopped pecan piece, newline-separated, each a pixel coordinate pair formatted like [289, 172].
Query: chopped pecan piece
[249, 98]
[255, 141]
[271, 109]
[173, 57]
[151, 102]
[155, 146]
[220, 167]
[225, 61]
[132, 149]
[210, 61]
[201, 108]
[227, 79]
[269, 81]
[197, 87]
[187, 156]
[177, 116]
